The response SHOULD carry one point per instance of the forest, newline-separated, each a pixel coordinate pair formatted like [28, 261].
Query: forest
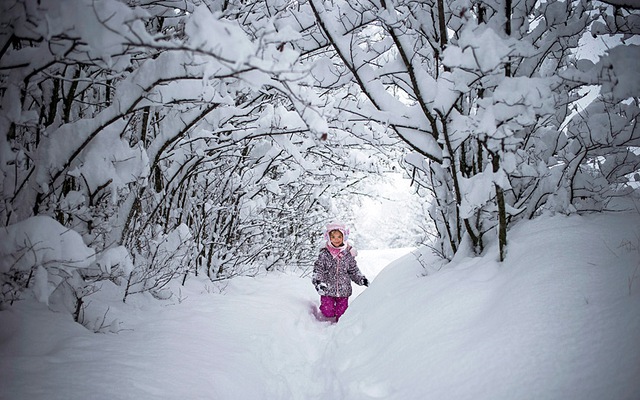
[144, 142]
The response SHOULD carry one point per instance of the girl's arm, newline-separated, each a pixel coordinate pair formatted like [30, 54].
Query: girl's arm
[318, 270]
[354, 272]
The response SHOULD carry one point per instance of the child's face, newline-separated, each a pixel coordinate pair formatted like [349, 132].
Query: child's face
[336, 238]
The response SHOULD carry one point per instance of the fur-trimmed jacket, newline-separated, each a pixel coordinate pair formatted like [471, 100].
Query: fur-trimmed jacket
[332, 276]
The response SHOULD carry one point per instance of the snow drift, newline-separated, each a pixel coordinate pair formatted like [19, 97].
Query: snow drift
[559, 319]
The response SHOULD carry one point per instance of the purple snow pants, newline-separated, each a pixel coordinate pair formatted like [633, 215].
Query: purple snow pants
[333, 306]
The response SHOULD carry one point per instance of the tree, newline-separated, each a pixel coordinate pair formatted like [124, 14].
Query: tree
[481, 92]
[187, 136]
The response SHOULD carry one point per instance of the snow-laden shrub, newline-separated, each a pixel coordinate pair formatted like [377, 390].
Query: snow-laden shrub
[42, 255]
[163, 258]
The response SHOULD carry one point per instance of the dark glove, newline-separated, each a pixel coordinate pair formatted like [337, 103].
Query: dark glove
[365, 282]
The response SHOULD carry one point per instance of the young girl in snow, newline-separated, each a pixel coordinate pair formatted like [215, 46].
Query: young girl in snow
[334, 270]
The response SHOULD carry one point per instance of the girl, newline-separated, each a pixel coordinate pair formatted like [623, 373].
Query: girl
[334, 270]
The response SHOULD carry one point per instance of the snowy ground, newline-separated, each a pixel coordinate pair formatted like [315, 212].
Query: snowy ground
[560, 319]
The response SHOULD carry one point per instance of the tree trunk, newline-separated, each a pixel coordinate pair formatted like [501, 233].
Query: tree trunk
[502, 213]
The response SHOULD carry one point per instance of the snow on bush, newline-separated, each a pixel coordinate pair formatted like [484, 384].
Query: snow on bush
[115, 257]
[42, 241]
[45, 247]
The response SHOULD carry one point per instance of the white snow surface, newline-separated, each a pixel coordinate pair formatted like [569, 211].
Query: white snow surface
[559, 319]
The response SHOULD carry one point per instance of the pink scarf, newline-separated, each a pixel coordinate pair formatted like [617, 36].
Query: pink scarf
[336, 251]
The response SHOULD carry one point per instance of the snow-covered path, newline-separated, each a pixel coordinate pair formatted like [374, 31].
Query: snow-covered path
[559, 319]
[257, 340]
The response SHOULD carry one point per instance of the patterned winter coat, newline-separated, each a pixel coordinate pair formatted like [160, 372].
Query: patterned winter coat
[337, 273]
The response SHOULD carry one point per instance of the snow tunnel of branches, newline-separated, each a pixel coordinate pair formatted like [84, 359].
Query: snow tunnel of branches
[218, 137]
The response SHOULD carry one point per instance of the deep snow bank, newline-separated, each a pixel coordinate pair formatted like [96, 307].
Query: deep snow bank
[559, 319]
